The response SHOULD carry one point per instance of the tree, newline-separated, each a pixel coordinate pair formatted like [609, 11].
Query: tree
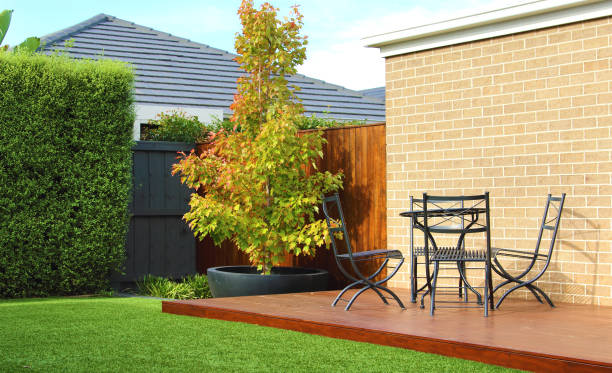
[253, 185]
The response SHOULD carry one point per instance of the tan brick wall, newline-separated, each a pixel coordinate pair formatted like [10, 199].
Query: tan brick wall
[520, 116]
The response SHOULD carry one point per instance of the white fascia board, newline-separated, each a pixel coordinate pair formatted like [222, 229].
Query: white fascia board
[145, 113]
[526, 16]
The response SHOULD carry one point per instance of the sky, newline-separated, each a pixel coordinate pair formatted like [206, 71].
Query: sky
[335, 52]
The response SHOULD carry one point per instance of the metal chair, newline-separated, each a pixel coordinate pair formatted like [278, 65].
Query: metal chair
[417, 257]
[550, 223]
[336, 226]
[457, 215]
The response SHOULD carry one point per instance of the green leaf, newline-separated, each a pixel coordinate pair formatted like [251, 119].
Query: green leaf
[5, 21]
[30, 44]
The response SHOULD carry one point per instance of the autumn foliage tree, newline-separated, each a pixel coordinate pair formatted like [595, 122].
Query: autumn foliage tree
[253, 184]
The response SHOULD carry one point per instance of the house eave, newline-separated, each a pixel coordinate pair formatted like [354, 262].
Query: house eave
[517, 17]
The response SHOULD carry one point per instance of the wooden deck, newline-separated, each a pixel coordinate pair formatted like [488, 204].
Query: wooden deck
[522, 334]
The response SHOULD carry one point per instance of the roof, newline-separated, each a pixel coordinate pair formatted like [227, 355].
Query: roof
[174, 71]
[378, 92]
[513, 17]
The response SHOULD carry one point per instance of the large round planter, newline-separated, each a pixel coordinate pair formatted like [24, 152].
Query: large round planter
[235, 281]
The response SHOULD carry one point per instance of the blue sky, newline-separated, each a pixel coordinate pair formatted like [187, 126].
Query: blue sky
[334, 27]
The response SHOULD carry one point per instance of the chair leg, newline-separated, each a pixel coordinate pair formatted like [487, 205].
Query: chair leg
[461, 284]
[350, 303]
[432, 298]
[529, 285]
[510, 279]
[541, 292]
[465, 288]
[485, 290]
[397, 299]
[490, 285]
[382, 297]
[536, 295]
[349, 286]
[369, 284]
[413, 279]
[377, 285]
[467, 284]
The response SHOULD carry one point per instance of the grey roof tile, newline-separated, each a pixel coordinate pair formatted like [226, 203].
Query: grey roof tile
[174, 71]
[378, 92]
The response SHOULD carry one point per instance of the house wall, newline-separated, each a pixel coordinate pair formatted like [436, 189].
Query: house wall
[520, 116]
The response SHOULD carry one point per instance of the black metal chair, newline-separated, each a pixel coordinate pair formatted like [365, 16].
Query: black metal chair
[336, 225]
[457, 215]
[417, 258]
[550, 223]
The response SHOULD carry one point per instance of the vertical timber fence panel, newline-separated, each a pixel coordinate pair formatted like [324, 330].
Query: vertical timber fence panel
[159, 242]
[360, 153]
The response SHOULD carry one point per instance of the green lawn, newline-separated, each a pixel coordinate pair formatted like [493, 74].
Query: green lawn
[132, 335]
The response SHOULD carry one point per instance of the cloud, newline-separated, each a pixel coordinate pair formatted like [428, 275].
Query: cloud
[336, 53]
[347, 64]
[345, 61]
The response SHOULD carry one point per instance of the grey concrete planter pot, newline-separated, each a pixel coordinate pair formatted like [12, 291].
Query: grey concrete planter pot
[235, 281]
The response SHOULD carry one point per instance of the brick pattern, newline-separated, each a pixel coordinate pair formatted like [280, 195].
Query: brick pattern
[520, 116]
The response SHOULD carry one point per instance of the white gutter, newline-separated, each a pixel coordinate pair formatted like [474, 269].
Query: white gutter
[517, 17]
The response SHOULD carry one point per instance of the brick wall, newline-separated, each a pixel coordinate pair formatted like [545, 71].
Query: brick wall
[520, 116]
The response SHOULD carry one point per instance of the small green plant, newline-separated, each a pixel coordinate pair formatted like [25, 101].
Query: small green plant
[199, 284]
[106, 293]
[191, 287]
[176, 125]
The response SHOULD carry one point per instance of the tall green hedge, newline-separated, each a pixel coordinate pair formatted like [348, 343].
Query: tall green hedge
[65, 173]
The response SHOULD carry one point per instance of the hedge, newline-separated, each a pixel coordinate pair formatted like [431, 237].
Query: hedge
[65, 173]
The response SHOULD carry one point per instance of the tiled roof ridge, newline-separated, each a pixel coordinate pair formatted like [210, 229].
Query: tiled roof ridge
[177, 38]
[162, 73]
[72, 30]
[233, 56]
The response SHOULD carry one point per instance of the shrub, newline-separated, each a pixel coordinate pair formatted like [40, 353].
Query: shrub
[191, 287]
[65, 171]
[313, 122]
[224, 124]
[199, 284]
[302, 122]
[176, 126]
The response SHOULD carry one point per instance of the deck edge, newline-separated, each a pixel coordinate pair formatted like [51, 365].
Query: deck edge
[486, 354]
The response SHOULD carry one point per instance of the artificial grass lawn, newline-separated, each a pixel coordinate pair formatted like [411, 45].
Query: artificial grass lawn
[133, 335]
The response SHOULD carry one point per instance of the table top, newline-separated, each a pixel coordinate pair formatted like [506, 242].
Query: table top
[449, 228]
[455, 211]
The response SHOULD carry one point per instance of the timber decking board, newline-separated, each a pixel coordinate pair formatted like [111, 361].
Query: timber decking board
[522, 334]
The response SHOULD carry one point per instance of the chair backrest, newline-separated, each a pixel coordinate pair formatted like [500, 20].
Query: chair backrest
[332, 209]
[550, 223]
[457, 215]
[416, 204]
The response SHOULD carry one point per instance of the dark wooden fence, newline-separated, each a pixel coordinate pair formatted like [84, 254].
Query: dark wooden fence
[360, 153]
[159, 242]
